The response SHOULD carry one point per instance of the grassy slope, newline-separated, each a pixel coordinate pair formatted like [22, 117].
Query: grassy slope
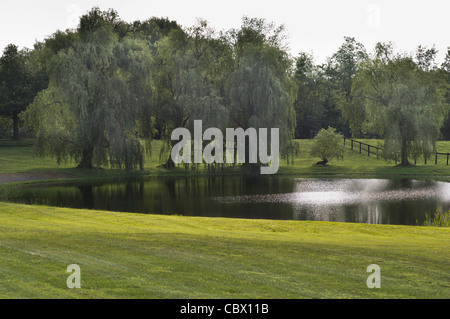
[150, 256]
[17, 158]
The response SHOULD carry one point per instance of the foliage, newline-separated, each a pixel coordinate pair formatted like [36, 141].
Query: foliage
[445, 71]
[327, 145]
[5, 127]
[323, 92]
[96, 88]
[401, 102]
[260, 90]
[21, 79]
[292, 150]
[310, 97]
[342, 68]
[438, 219]
[186, 84]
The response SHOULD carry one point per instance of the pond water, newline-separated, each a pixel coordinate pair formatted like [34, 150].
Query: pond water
[374, 201]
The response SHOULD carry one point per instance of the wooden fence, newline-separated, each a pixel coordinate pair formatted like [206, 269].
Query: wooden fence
[436, 158]
[375, 150]
[370, 149]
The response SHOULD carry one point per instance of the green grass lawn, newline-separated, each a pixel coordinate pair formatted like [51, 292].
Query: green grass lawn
[18, 157]
[356, 164]
[125, 255]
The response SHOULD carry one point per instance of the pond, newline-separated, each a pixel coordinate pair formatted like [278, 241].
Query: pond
[374, 201]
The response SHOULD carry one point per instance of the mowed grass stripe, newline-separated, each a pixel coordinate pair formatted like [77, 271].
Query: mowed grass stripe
[125, 255]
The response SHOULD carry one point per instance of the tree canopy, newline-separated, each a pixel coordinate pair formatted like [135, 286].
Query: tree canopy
[20, 81]
[402, 101]
[96, 88]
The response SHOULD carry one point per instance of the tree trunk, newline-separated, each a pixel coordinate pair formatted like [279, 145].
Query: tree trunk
[15, 118]
[246, 165]
[404, 153]
[324, 161]
[170, 163]
[86, 160]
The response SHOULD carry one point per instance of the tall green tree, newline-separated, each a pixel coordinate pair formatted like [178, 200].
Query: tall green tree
[311, 97]
[260, 87]
[20, 81]
[188, 82]
[402, 102]
[341, 70]
[97, 85]
[445, 71]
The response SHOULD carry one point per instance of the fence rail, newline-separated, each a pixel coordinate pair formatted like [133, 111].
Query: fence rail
[369, 147]
[372, 149]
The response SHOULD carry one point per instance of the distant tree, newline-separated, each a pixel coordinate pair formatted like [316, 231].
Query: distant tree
[446, 64]
[97, 85]
[445, 70]
[309, 104]
[425, 58]
[341, 70]
[20, 81]
[185, 78]
[60, 40]
[402, 101]
[327, 145]
[260, 91]
[154, 29]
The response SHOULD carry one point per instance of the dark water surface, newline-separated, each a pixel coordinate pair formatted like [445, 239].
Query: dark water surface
[374, 201]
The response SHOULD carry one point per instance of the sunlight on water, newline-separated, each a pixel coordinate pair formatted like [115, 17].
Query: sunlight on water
[367, 199]
[326, 192]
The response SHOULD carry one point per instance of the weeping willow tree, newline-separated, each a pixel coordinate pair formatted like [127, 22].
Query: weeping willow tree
[187, 69]
[402, 102]
[97, 87]
[260, 94]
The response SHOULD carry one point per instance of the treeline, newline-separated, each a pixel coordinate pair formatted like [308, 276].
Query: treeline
[100, 93]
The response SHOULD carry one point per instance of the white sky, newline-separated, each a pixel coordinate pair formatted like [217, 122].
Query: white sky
[316, 26]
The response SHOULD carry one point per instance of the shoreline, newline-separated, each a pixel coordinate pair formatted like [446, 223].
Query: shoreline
[53, 176]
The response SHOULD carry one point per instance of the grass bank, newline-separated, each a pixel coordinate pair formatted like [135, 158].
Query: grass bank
[124, 255]
[17, 157]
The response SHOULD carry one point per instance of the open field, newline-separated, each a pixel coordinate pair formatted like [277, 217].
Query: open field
[125, 255]
[18, 158]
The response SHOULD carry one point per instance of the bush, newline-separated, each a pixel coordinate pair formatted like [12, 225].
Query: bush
[327, 145]
[5, 127]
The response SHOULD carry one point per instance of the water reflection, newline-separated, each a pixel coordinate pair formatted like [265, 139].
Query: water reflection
[375, 201]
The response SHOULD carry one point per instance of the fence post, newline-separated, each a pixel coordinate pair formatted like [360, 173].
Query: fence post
[359, 147]
[447, 158]
[435, 161]
[368, 150]
[352, 145]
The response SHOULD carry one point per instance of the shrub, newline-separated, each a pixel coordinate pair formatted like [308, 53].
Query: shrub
[327, 145]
